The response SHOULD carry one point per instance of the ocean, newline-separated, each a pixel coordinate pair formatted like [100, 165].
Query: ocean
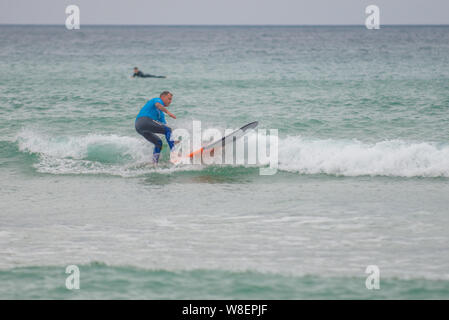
[363, 163]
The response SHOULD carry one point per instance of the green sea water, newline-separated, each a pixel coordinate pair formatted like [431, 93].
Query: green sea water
[363, 175]
[112, 282]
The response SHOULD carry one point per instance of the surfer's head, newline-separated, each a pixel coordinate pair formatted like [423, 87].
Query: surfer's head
[136, 69]
[166, 97]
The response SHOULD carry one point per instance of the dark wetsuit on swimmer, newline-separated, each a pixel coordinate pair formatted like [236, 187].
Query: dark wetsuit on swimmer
[140, 74]
[150, 121]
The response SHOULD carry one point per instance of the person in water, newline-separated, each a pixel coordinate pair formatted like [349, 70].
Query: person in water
[151, 120]
[140, 74]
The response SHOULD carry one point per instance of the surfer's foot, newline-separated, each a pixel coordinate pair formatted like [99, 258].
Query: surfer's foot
[156, 158]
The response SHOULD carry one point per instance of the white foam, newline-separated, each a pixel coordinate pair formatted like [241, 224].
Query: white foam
[77, 147]
[128, 156]
[355, 158]
[73, 155]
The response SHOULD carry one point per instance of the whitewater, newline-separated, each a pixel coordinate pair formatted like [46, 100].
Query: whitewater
[116, 155]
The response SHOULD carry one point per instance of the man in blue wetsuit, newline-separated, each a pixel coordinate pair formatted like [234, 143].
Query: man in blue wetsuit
[151, 120]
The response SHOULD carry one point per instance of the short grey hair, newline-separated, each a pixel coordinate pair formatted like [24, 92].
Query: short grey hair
[165, 93]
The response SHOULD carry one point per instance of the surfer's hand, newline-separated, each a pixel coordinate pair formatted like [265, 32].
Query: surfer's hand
[172, 115]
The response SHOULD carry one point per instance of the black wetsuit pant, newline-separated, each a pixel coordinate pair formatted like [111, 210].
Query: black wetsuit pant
[148, 128]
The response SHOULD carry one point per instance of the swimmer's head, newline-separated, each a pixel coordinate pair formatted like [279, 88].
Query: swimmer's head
[136, 69]
[166, 97]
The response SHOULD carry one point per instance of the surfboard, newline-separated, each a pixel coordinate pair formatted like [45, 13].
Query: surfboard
[222, 142]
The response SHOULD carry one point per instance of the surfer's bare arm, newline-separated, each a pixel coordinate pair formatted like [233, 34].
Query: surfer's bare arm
[164, 109]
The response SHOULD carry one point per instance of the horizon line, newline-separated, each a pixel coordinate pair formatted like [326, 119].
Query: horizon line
[220, 25]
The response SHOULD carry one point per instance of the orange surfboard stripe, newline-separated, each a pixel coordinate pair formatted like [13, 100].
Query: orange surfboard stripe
[195, 152]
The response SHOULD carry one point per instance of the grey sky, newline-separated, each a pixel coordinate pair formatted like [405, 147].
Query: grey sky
[224, 11]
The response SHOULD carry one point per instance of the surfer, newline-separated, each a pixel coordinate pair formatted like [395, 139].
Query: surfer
[140, 74]
[151, 120]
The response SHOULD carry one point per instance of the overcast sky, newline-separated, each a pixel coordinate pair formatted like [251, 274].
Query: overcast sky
[291, 12]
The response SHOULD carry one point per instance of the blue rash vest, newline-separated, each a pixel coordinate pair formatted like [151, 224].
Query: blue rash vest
[149, 110]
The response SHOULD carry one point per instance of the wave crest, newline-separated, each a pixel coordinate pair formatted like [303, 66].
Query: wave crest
[354, 158]
[127, 156]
